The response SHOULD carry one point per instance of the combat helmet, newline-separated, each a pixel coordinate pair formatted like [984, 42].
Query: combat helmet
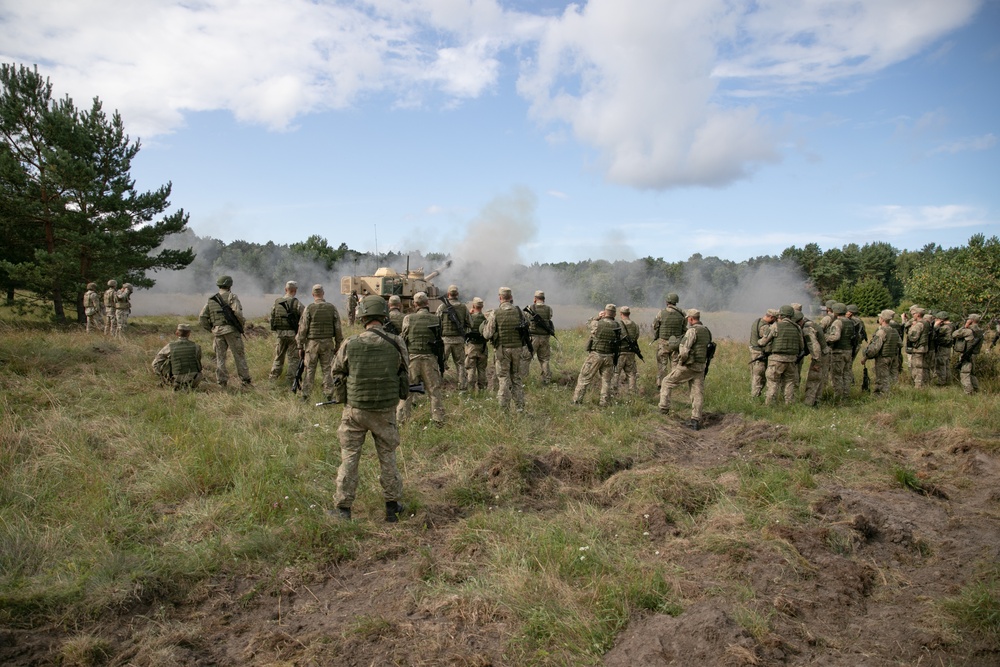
[225, 281]
[373, 307]
[113, 283]
[92, 286]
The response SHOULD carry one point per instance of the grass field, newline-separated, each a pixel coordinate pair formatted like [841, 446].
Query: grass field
[199, 520]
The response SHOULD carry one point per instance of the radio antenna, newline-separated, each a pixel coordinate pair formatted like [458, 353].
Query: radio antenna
[376, 244]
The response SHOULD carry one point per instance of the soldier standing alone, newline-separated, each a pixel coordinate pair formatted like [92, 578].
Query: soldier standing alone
[372, 365]
[223, 316]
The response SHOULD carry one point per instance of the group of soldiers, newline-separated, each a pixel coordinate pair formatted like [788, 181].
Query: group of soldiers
[108, 312]
[782, 338]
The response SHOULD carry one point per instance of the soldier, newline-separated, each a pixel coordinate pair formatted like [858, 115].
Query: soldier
[819, 356]
[420, 330]
[968, 343]
[395, 323]
[110, 321]
[541, 329]
[603, 348]
[692, 357]
[824, 324]
[884, 349]
[860, 334]
[352, 307]
[995, 325]
[178, 363]
[896, 366]
[318, 339]
[92, 308]
[943, 342]
[373, 366]
[840, 336]
[508, 331]
[668, 327]
[758, 352]
[453, 317]
[785, 339]
[123, 308]
[627, 371]
[917, 345]
[223, 316]
[285, 316]
[476, 352]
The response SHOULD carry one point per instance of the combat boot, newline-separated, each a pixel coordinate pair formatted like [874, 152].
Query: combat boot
[392, 511]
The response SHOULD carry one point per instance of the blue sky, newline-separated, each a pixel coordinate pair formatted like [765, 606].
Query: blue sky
[547, 131]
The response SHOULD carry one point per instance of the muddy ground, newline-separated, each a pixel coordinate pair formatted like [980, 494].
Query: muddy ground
[857, 584]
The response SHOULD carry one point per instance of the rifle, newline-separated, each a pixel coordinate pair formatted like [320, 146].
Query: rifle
[633, 346]
[293, 315]
[616, 346]
[299, 370]
[968, 352]
[709, 355]
[417, 388]
[547, 326]
[453, 316]
[228, 314]
[389, 327]
[437, 346]
[524, 333]
[866, 383]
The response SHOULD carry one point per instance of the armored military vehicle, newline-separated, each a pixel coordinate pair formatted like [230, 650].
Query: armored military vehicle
[388, 281]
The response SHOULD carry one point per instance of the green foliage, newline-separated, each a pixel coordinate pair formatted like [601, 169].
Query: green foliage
[872, 297]
[977, 606]
[960, 280]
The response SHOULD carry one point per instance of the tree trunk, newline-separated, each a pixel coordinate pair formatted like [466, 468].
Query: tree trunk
[57, 304]
[10, 296]
[81, 312]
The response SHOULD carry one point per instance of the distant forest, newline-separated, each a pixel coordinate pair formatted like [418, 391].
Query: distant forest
[874, 276]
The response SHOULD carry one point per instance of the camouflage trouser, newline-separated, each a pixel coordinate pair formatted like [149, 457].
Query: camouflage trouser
[814, 379]
[942, 365]
[626, 373]
[543, 352]
[110, 323]
[354, 426]
[476, 357]
[894, 367]
[841, 372]
[918, 369]
[95, 321]
[319, 352]
[121, 321]
[758, 374]
[424, 368]
[680, 376]
[230, 341]
[665, 360]
[284, 348]
[454, 350]
[883, 375]
[596, 364]
[783, 379]
[967, 376]
[508, 377]
[186, 381]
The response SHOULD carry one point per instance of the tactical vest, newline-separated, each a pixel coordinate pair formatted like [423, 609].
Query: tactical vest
[816, 329]
[920, 345]
[788, 339]
[109, 299]
[215, 313]
[477, 320]
[508, 319]
[756, 334]
[448, 327]
[373, 380]
[846, 340]
[606, 336]
[962, 344]
[942, 335]
[91, 303]
[545, 313]
[322, 320]
[632, 329]
[396, 317]
[123, 300]
[698, 354]
[283, 312]
[419, 334]
[890, 343]
[183, 357]
[672, 323]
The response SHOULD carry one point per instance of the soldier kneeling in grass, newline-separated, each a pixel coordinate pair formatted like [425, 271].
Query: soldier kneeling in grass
[178, 363]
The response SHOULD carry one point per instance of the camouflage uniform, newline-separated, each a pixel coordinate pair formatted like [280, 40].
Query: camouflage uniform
[352, 307]
[225, 336]
[110, 321]
[395, 323]
[860, 334]
[668, 327]
[476, 351]
[819, 354]
[917, 345]
[454, 334]
[319, 337]
[627, 371]
[503, 328]
[286, 313]
[884, 349]
[605, 337]
[759, 352]
[968, 343]
[943, 343]
[369, 366]
[540, 338]
[840, 337]
[92, 308]
[785, 337]
[690, 369]
[123, 308]
[178, 363]
[419, 333]
[896, 366]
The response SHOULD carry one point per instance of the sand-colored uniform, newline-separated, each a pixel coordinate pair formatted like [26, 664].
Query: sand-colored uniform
[541, 341]
[819, 355]
[286, 313]
[453, 317]
[92, 309]
[123, 308]
[178, 363]
[320, 335]
[917, 345]
[968, 344]
[689, 370]
[668, 327]
[782, 373]
[605, 337]
[627, 371]
[502, 328]
[225, 337]
[476, 354]
[418, 333]
[110, 321]
[758, 356]
[884, 349]
[943, 344]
